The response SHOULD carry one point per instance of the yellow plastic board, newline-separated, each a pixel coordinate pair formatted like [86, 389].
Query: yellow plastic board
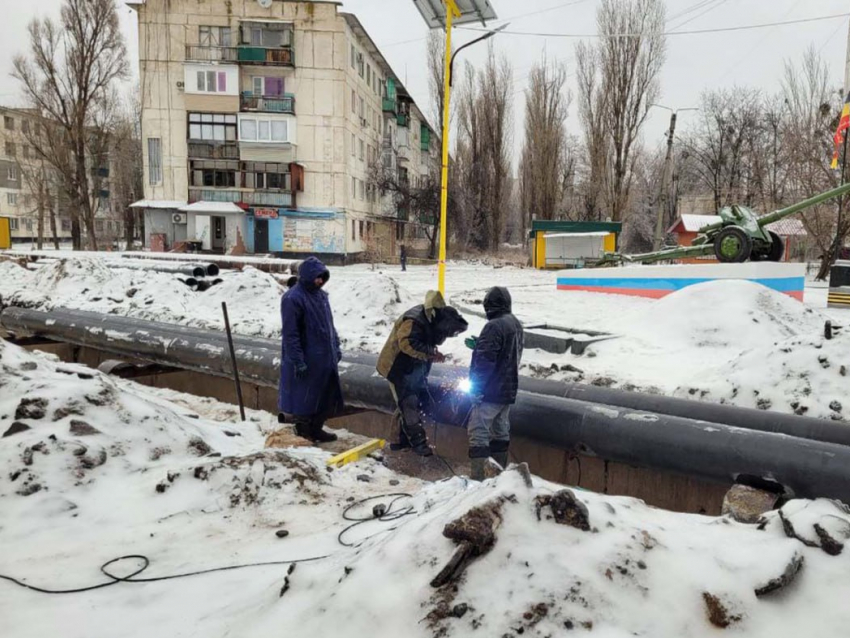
[357, 453]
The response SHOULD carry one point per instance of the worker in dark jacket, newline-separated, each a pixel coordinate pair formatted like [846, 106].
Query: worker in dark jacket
[310, 390]
[494, 378]
[406, 358]
[402, 256]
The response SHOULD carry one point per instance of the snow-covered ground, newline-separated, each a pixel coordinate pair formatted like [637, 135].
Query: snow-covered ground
[98, 468]
[730, 342]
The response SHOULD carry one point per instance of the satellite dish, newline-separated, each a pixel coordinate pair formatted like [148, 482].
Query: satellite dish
[265, 4]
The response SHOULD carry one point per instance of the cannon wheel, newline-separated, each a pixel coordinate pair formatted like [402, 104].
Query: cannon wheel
[777, 247]
[732, 245]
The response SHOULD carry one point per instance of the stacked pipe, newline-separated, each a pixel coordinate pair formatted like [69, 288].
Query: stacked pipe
[716, 451]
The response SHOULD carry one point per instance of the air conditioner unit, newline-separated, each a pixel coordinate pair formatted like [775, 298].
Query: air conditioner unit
[179, 218]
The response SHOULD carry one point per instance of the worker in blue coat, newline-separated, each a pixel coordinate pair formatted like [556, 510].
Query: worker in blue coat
[310, 390]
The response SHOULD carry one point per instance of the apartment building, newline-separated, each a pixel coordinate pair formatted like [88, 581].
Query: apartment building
[22, 173]
[262, 123]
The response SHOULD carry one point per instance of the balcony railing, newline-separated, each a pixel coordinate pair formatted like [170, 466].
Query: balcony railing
[198, 53]
[390, 105]
[213, 150]
[267, 57]
[281, 199]
[269, 103]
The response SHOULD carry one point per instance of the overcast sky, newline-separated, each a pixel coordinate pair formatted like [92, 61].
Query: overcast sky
[694, 62]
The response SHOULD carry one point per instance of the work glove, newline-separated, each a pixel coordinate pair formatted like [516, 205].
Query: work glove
[300, 371]
[471, 342]
[438, 357]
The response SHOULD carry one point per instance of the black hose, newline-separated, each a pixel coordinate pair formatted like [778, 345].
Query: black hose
[114, 580]
[387, 515]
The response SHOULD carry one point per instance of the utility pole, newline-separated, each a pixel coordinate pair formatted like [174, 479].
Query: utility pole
[665, 179]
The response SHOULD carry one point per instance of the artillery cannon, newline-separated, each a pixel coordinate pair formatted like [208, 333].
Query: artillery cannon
[739, 236]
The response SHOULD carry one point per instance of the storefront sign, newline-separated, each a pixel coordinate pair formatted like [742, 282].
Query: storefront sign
[265, 213]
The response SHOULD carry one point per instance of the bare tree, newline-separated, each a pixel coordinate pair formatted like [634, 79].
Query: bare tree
[126, 175]
[67, 78]
[544, 165]
[618, 81]
[484, 151]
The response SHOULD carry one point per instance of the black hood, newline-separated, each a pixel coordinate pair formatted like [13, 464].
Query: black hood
[497, 302]
[310, 269]
[448, 322]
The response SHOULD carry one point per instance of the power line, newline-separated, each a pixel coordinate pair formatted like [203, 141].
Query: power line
[711, 8]
[666, 33]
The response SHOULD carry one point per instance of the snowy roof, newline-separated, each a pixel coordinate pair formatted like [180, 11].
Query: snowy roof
[693, 223]
[788, 227]
[594, 234]
[217, 208]
[157, 203]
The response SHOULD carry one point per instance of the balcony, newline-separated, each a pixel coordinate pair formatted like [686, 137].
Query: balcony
[197, 53]
[279, 199]
[390, 106]
[213, 150]
[262, 56]
[268, 103]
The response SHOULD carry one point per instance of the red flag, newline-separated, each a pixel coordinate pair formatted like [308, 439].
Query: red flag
[843, 125]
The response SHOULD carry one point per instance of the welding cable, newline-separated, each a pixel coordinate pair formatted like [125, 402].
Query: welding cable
[388, 514]
[131, 578]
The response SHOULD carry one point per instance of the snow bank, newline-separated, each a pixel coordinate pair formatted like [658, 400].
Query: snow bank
[732, 315]
[96, 468]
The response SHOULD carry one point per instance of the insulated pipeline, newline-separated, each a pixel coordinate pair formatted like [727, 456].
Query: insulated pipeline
[712, 451]
[759, 420]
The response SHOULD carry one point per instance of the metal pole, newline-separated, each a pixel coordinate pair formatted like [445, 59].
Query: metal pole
[451, 12]
[233, 360]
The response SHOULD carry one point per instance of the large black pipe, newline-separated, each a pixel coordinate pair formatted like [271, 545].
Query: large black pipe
[714, 451]
[759, 420]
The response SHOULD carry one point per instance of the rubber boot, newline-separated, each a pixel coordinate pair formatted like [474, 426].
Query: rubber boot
[477, 468]
[478, 459]
[501, 458]
[423, 449]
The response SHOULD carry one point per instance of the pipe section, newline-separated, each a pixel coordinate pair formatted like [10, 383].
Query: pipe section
[711, 451]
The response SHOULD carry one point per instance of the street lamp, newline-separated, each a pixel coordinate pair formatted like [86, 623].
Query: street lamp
[665, 179]
[440, 14]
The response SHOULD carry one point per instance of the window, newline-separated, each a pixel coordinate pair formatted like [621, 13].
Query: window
[362, 151]
[10, 149]
[360, 65]
[154, 161]
[213, 173]
[66, 225]
[353, 102]
[25, 126]
[266, 35]
[353, 57]
[353, 146]
[361, 228]
[212, 81]
[26, 151]
[212, 127]
[28, 223]
[368, 75]
[12, 173]
[352, 228]
[353, 189]
[215, 36]
[12, 199]
[361, 195]
[362, 106]
[13, 222]
[8, 123]
[263, 130]
[98, 225]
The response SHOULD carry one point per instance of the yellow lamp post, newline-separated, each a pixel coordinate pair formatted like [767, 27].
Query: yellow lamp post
[444, 14]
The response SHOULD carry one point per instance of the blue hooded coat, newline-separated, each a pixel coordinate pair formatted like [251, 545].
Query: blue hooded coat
[308, 337]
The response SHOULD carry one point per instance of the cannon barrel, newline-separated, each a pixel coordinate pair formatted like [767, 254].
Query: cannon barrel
[806, 203]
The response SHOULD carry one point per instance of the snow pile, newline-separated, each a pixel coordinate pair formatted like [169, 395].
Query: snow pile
[366, 307]
[96, 468]
[725, 315]
[808, 375]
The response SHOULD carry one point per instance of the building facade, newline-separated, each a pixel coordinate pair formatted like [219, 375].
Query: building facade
[23, 174]
[263, 123]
